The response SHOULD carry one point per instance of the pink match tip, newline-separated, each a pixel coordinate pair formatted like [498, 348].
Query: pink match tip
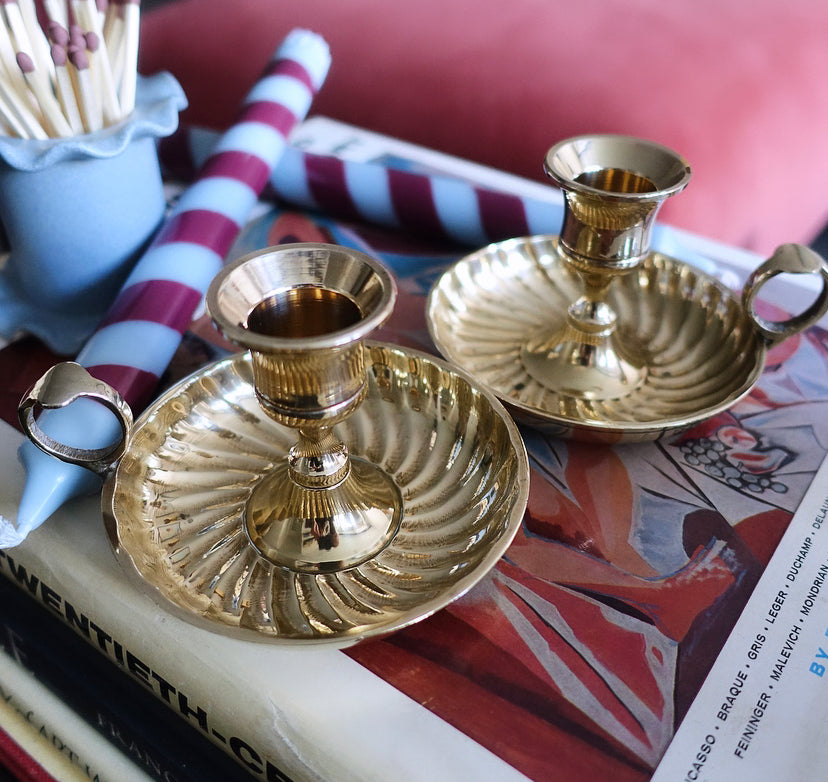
[76, 36]
[58, 33]
[92, 41]
[78, 58]
[25, 62]
[58, 53]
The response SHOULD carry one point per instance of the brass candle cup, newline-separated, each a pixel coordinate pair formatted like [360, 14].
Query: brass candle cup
[303, 311]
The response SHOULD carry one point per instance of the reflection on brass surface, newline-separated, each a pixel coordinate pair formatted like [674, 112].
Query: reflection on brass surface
[174, 506]
[616, 180]
[497, 312]
[300, 529]
[309, 311]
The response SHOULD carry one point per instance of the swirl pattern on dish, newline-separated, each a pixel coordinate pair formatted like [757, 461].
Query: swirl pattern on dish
[701, 351]
[174, 507]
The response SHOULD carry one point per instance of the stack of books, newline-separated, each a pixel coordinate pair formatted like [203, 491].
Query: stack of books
[581, 656]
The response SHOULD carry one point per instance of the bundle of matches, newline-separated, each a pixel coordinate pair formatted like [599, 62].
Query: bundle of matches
[73, 72]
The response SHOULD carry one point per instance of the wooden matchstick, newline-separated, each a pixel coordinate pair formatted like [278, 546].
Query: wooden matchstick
[88, 16]
[7, 123]
[58, 33]
[65, 90]
[12, 72]
[87, 99]
[55, 123]
[132, 11]
[17, 27]
[76, 37]
[111, 18]
[114, 37]
[102, 74]
[18, 115]
[39, 44]
[57, 11]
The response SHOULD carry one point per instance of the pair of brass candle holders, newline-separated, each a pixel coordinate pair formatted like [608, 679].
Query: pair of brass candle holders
[324, 488]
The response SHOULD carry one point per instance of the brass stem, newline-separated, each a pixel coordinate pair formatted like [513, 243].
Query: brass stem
[319, 460]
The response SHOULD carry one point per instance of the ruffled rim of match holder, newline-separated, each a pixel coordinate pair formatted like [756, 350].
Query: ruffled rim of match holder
[159, 100]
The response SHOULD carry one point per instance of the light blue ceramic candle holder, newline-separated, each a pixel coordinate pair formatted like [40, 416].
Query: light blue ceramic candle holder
[78, 212]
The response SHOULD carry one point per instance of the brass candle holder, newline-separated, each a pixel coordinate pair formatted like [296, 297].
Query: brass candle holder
[316, 487]
[590, 333]
[304, 311]
[614, 187]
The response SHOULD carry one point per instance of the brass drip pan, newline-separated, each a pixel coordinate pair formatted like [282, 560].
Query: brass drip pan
[701, 348]
[173, 507]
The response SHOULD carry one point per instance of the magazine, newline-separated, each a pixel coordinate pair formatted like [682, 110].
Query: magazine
[758, 714]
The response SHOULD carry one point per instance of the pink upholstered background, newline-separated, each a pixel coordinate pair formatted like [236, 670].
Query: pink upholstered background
[739, 88]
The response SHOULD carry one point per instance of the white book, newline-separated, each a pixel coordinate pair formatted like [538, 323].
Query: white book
[52, 734]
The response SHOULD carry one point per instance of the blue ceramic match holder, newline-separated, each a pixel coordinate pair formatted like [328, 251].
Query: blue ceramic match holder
[78, 212]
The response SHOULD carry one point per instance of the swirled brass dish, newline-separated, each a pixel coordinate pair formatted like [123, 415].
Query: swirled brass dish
[173, 507]
[700, 349]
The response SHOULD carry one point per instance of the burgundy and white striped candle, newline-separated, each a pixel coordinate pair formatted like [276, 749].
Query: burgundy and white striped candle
[433, 205]
[428, 205]
[441, 207]
[138, 337]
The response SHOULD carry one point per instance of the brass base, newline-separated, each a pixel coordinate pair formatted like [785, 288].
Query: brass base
[175, 507]
[586, 368]
[584, 358]
[323, 530]
[695, 349]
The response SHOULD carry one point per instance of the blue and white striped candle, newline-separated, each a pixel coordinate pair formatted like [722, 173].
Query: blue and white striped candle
[143, 328]
[431, 205]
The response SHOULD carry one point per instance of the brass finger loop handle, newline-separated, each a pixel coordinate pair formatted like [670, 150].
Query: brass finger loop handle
[63, 384]
[787, 259]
